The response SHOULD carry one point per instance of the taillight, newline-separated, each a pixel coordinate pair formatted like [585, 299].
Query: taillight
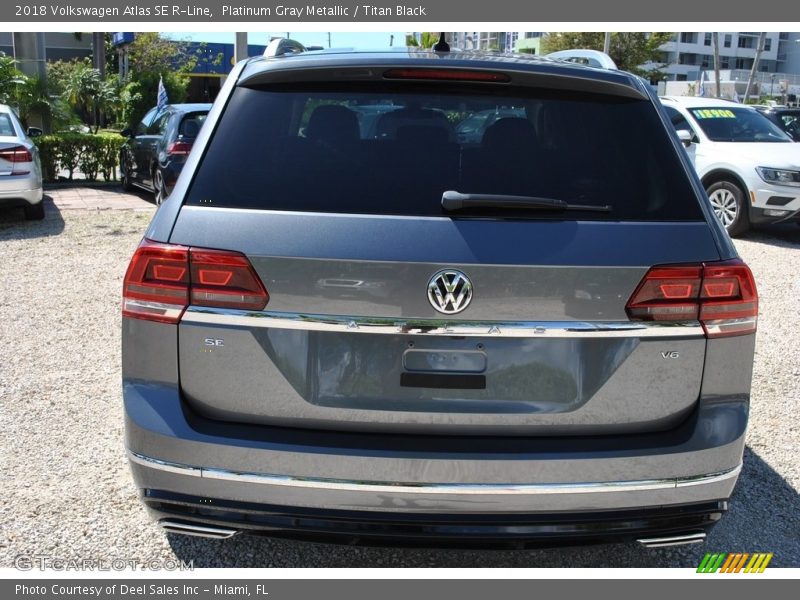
[225, 279]
[722, 296]
[180, 148]
[447, 75]
[15, 155]
[163, 279]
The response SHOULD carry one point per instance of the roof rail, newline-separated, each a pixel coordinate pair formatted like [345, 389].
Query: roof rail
[591, 58]
[283, 46]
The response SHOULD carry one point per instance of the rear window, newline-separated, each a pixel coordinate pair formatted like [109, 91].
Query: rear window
[6, 126]
[191, 123]
[395, 150]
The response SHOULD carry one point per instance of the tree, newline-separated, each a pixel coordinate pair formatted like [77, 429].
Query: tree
[428, 40]
[139, 94]
[761, 39]
[10, 79]
[630, 50]
[32, 99]
[150, 58]
[151, 53]
[88, 93]
[31, 96]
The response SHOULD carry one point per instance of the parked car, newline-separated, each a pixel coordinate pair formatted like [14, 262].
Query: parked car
[156, 150]
[788, 119]
[20, 168]
[747, 164]
[401, 338]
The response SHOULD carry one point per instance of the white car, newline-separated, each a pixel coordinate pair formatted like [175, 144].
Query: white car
[749, 167]
[20, 169]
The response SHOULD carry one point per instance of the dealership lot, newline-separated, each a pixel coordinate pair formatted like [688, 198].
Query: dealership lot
[67, 489]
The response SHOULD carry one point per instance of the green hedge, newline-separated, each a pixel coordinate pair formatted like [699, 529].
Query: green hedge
[92, 155]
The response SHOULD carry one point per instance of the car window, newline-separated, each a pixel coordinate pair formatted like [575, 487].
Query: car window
[159, 126]
[723, 124]
[791, 125]
[306, 150]
[141, 128]
[191, 124]
[6, 126]
[678, 120]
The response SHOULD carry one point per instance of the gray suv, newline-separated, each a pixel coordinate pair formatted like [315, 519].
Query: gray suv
[387, 334]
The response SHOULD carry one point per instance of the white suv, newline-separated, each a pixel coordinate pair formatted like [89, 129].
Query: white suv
[749, 167]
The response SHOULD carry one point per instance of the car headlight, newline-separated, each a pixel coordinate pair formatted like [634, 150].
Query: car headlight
[779, 176]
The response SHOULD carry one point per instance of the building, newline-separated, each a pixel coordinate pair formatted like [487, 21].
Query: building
[33, 50]
[528, 43]
[214, 62]
[58, 45]
[498, 41]
[689, 53]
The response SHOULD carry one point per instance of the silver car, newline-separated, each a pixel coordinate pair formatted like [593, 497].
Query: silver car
[20, 170]
[386, 335]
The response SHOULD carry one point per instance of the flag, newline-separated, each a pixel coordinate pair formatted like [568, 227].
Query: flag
[162, 99]
[701, 91]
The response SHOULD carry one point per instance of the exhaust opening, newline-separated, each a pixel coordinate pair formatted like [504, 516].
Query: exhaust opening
[673, 540]
[195, 529]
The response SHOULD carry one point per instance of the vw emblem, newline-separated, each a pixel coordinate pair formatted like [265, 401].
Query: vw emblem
[449, 291]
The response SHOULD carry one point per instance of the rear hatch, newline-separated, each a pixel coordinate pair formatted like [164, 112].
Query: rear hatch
[390, 312]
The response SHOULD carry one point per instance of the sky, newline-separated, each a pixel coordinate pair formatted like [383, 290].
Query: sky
[307, 38]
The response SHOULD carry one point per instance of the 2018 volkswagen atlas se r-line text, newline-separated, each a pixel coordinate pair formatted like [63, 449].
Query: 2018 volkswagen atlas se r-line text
[383, 334]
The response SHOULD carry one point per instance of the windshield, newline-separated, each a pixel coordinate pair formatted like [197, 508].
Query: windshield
[395, 149]
[737, 125]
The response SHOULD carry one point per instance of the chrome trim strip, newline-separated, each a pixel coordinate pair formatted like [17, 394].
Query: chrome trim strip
[488, 489]
[417, 327]
[673, 540]
[706, 479]
[730, 326]
[145, 307]
[195, 529]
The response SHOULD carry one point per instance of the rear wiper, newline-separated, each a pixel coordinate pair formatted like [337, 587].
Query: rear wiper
[452, 201]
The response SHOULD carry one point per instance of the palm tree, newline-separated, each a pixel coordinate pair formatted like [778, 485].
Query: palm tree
[87, 92]
[427, 40]
[10, 78]
[33, 98]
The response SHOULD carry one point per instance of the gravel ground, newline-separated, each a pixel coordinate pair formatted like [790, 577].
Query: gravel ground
[67, 492]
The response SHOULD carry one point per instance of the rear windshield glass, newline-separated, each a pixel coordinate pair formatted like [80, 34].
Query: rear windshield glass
[737, 125]
[394, 151]
[6, 126]
[191, 124]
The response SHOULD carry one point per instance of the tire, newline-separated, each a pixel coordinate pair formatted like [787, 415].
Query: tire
[34, 212]
[728, 202]
[125, 179]
[160, 189]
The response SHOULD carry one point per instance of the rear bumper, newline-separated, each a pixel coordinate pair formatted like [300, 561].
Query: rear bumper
[9, 196]
[427, 497]
[176, 452]
[761, 216]
[654, 526]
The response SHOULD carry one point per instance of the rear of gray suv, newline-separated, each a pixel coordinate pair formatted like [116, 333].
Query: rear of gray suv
[379, 332]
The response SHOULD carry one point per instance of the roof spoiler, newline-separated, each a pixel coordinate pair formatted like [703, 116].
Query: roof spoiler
[591, 58]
